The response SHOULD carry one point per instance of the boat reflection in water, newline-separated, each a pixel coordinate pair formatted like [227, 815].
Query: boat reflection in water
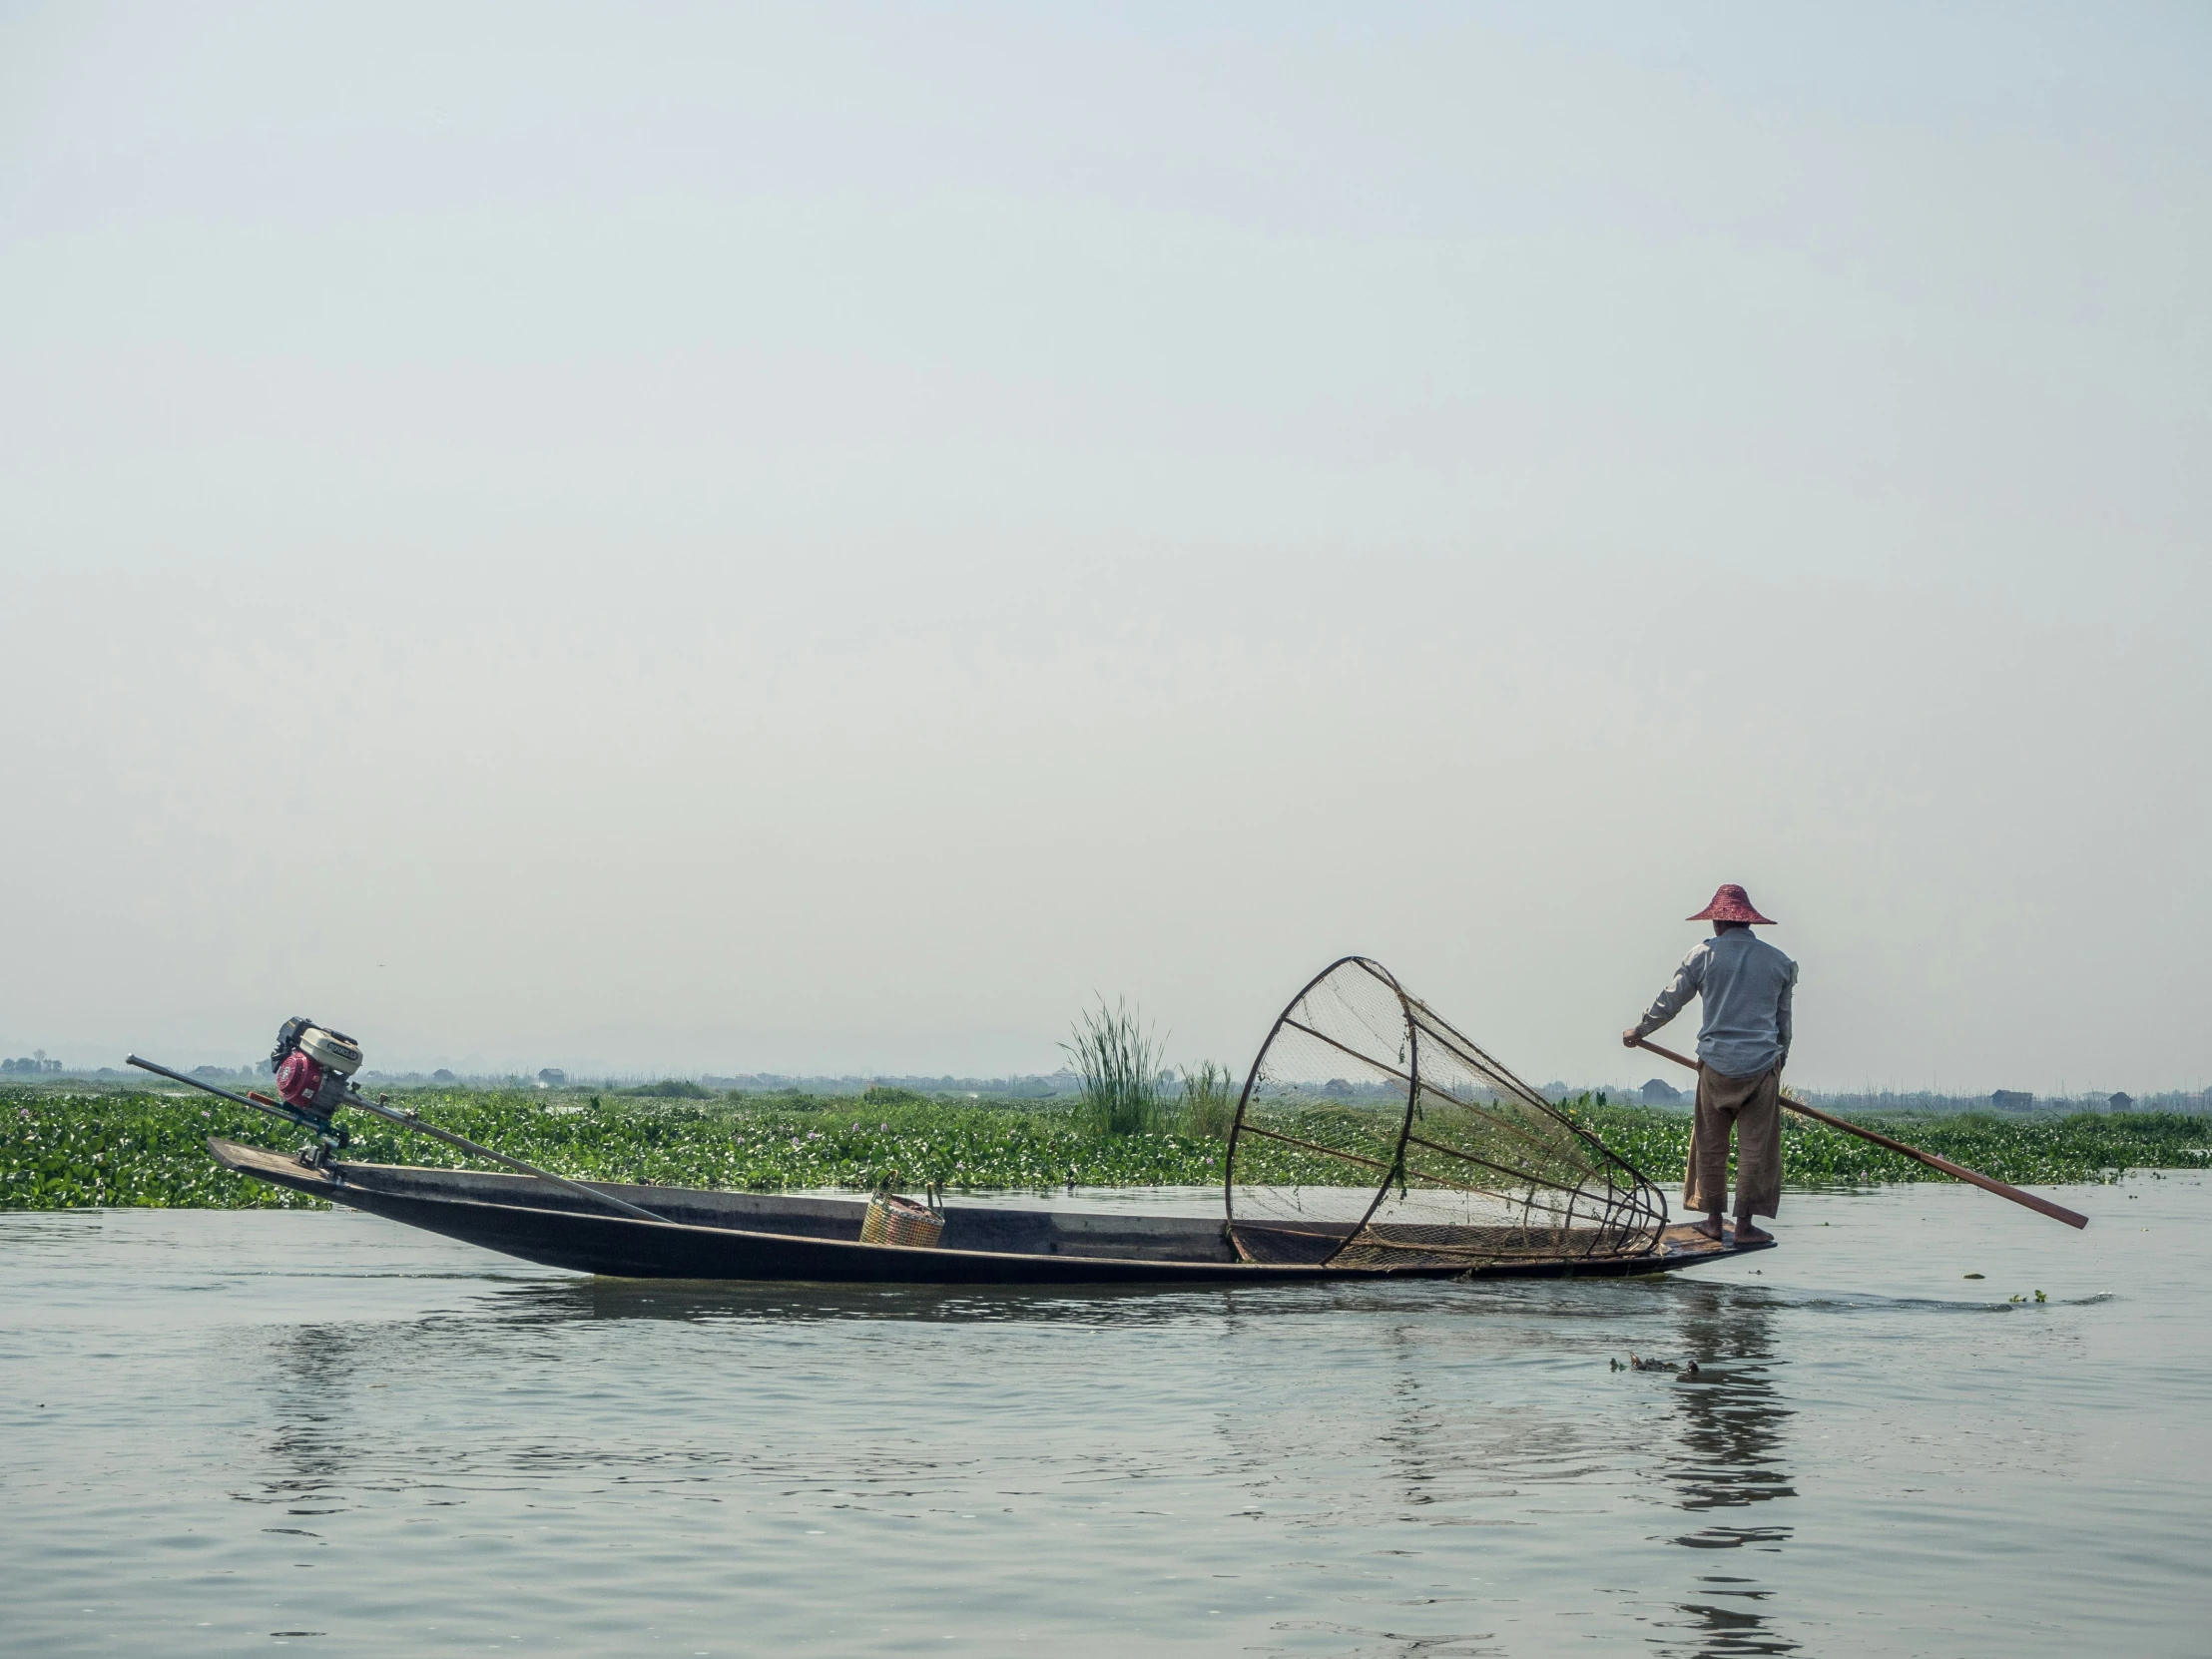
[313, 1453]
[1728, 1467]
[1405, 1468]
[1354, 1413]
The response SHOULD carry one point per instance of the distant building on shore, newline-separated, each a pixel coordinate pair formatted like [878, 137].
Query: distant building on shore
[2012, 1100]
[1657, 1091]
[2121, 1103]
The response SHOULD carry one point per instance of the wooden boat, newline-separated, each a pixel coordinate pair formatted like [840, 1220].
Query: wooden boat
[763, 1237]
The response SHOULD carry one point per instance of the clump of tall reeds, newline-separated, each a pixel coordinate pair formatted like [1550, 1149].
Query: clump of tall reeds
[888, 1094]
[669, 1088]
[1209, 1102]
[1119, 1062]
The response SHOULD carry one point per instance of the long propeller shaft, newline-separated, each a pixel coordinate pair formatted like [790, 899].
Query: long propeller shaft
[406, 1120]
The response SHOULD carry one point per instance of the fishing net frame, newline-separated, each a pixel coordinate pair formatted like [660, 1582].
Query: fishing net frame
[1455, 1164]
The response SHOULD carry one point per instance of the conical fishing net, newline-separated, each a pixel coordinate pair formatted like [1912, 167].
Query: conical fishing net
[1372, 1134]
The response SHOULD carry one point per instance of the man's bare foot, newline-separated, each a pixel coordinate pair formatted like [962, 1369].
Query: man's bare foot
[1709, 1228]
[1748, 1233]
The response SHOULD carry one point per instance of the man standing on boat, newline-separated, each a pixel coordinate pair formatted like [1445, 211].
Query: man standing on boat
[1741, 1049]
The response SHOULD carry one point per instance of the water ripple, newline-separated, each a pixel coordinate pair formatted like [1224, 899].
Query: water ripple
[229, 1430]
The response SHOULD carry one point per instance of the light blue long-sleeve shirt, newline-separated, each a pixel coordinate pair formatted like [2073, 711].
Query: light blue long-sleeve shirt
[1746, 985]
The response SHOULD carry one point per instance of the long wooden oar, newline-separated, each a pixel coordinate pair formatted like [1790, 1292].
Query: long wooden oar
[2042, 1206]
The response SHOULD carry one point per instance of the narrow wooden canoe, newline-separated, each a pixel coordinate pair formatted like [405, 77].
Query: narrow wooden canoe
[756, 1236]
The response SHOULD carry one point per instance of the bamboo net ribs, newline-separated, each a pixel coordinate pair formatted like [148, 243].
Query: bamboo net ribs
[1372, 1134]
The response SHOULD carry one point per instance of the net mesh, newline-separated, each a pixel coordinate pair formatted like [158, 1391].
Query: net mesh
[1372, 1134]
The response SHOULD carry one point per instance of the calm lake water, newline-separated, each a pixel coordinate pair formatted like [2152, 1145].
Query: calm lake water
[225, 1432]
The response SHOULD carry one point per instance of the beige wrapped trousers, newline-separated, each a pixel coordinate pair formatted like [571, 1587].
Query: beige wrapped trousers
[1752, 1106]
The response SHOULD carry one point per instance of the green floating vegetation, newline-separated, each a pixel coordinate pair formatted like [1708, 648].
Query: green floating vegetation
[71, 1148]
[61, 1151]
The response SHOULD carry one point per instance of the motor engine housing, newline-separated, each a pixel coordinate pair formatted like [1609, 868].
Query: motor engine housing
[314, 1066]
[332, 1049]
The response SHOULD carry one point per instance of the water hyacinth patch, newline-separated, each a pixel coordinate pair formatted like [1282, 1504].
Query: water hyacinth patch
[65, 1149]
[62, 1151]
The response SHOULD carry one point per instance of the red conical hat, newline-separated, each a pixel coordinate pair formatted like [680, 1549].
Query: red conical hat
[1731, 903]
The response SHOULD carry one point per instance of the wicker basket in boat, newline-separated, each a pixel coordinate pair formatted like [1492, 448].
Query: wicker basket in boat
[892, 1220]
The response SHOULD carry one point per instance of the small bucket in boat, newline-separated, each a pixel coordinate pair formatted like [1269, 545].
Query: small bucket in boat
[892, 1220]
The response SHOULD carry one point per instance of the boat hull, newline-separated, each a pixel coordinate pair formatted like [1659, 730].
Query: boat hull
[772, 1238]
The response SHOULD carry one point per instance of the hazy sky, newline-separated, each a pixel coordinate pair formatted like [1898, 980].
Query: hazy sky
[815, 538]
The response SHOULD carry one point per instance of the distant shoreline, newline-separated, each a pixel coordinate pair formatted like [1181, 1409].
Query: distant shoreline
[1058, 1088]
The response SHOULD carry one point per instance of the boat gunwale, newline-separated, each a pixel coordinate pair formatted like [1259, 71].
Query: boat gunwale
[327, 1183]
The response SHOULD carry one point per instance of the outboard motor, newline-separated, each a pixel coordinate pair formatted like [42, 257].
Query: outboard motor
[314, 1067]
